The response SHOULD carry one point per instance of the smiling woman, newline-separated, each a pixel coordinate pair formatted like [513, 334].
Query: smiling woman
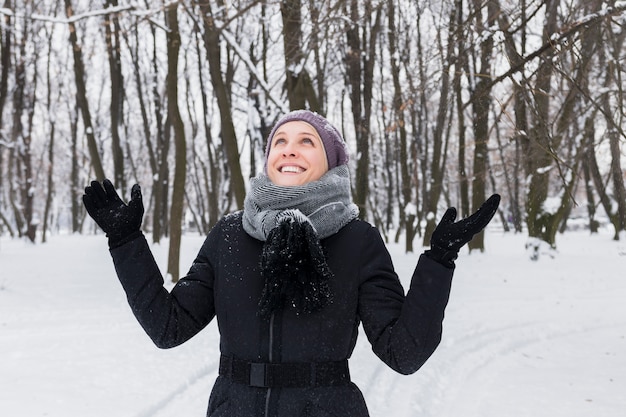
[310, 126]
[296, 154]
[290, 279]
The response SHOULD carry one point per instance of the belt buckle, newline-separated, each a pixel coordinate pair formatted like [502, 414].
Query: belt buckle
[258, 375]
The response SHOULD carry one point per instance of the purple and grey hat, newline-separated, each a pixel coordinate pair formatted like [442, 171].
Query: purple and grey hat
[334, 145]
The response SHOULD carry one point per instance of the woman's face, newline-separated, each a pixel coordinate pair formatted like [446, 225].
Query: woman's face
[296, 155]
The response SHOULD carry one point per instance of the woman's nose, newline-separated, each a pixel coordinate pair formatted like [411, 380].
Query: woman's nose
[290, 150]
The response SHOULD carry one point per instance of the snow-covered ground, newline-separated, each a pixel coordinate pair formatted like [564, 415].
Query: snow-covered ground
[521, 338]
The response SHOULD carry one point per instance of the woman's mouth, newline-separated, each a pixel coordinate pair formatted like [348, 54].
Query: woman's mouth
[291, 169]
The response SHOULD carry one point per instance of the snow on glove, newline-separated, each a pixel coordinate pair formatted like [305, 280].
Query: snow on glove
[120, 221]
[448, 237]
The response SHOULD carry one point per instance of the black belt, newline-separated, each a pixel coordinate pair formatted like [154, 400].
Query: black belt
[294, 375]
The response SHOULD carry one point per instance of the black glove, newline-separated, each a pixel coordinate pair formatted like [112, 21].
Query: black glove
[120, 222]
[448, 237]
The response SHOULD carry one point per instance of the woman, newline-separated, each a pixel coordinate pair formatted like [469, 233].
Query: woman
[290, 278]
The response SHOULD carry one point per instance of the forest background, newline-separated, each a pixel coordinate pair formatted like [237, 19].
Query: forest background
[441, 103]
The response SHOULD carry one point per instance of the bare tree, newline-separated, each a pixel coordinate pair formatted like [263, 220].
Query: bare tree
[21, 159]
[612, 104]
[481, 101]
[81, 94]
[5, 60]
[229, 137]
[407, 216]
[520, 115]
[462, 67]
[436, 154]
[300, 89]
[420, 93]
[5, 68]
[180, 144]
[113, 40]
[363, 28]
[50, 103]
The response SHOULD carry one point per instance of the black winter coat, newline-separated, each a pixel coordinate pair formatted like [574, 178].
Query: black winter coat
[224, 281]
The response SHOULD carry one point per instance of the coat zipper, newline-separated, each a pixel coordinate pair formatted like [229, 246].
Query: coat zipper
[268, 394]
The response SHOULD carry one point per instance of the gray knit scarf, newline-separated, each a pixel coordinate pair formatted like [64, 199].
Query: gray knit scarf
[291, 221]
[326, 204]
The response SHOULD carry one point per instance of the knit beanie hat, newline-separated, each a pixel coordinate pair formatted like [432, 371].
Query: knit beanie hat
[334, 145]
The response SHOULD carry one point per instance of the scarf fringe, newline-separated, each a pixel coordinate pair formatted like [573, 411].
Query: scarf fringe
[293, 265]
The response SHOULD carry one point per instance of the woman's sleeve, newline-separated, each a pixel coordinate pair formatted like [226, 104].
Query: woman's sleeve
[403, 331]
[170, 319]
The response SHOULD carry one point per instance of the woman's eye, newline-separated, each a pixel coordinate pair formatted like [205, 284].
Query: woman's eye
[308, 141]
[279, 141]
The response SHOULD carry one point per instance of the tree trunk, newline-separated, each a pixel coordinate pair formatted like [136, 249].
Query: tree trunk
[144, 88]
[159, 152]
[435, 186]
[161, 186]
[229, 137]
[520, 112]
[5, 67]
[613, 110]
[24, 100]
[81, 95]
[49, 184]
[5, 61]
[75, 186]
[180, 146]
[50, 111]
[407, 217]
[211, 178]
[588, 139]
[461, 66]
[112, 33]
[15, 146]
[481, 98]
[360, 59]
[539, 161]
[353, 71]
[300, 89]
[28, 181]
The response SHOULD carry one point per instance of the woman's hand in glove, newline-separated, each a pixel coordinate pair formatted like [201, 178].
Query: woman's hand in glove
[120, 221]
[448, 237]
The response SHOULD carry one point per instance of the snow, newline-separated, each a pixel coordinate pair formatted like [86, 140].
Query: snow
[521, 338]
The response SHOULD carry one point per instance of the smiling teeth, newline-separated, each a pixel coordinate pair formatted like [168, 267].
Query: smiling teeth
[291, 169]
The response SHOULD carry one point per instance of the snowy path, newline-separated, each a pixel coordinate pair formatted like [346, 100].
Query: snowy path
[520, 338]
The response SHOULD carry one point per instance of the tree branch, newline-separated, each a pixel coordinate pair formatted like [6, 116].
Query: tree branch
[558, 38]
[73, 19]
